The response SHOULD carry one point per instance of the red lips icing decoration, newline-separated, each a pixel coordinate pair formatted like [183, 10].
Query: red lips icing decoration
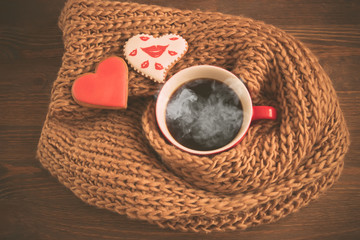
[106, 88]
[154, 57]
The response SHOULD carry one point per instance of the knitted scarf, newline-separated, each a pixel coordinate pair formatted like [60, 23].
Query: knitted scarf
[119, 160]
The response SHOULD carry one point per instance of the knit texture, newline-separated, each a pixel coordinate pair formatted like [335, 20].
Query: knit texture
[118, 159]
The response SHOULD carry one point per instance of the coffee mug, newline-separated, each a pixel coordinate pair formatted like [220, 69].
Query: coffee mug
[206, 110]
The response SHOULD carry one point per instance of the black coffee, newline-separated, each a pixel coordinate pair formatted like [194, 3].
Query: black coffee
[204, 114]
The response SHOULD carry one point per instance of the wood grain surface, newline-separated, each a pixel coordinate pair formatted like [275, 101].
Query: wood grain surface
[33, 205]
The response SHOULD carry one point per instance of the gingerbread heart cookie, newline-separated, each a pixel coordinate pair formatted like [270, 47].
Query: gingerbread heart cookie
[106, 88]
[154, 57]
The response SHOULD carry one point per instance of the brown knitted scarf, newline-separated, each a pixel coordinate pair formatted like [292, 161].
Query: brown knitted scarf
[118, 159]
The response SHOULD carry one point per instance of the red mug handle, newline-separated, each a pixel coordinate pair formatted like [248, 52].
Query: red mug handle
[263, 112]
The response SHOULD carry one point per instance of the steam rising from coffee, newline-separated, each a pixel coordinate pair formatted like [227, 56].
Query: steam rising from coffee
[204, 114]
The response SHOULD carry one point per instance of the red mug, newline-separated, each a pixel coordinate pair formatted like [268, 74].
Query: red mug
[250, 112]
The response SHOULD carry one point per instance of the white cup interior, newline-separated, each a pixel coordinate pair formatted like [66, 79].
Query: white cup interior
[196, 72]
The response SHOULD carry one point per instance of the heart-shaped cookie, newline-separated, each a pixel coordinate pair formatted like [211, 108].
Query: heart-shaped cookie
[154, 57]
[106, 88]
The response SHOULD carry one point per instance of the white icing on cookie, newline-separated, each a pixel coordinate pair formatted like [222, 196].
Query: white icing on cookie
[154, 57]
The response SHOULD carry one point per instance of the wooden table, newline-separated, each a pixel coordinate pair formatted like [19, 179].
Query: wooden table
[33, 205]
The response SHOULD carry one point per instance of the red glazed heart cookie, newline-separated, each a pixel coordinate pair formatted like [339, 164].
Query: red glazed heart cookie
[154, 57]
[106, 88]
